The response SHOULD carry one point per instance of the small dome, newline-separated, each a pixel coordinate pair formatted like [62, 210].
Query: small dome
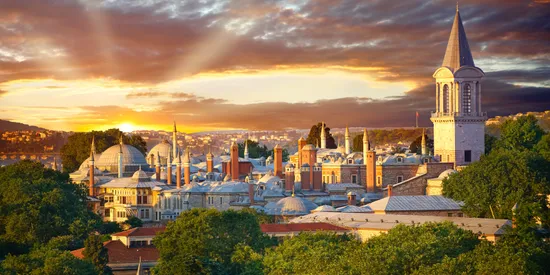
[140, 176]
[445, 174]
[309, 147]
[163, 149]
[324, 208]
[289, 165]
[290, 206]
[351, 193]
[305, 165]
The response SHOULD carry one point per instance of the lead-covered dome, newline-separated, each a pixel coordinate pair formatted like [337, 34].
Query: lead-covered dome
[132, 159]
[445, 174]
[163, 149]
[290, 206]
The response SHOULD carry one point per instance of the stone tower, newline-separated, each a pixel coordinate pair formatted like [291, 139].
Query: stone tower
[234, 162]
[459, 123]
[323, 136]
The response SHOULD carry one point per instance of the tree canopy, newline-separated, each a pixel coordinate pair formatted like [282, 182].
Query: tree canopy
[77, 148]
[515, 171]
[255, 150]
[202, 241]
[96, 253]
[314, 136]
[37, 204]
[416, 145]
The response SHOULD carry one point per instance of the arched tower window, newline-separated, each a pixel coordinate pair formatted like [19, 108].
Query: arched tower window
[446, 99]
[467, 99]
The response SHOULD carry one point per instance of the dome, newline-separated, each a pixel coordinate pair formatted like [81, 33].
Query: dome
[130, 157]
[163, 149]
[140, 176]
[293, 206]
[324, 208]
[445, 174]
[308, 147]
[289, 165]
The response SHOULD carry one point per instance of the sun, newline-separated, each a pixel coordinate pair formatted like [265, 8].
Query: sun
[126, 127]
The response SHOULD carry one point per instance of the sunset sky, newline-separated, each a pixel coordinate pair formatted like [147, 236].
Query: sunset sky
[259, 64]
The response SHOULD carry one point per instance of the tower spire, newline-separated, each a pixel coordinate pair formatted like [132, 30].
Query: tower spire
[424, 146]
[347, 140]
[458, 52]
[174, 142]
[323, 136]
[92, 149]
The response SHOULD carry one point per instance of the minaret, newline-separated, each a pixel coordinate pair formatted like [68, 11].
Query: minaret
[424, 147]
[348, 141]
[174, 142]
[366, 143]
[459, 123]
[323, 136]
[157, 167]
[120, 157]
[187, 167]
[178, 171]
[168, 170]
[92, 169]
[234, 162]
[246, 149]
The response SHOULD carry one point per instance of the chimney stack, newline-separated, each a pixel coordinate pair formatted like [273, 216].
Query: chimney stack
[390, 190]
[169, 170]
[178, 172]
[289, 177]
[234, 162]
[251, 193]
[92, 170]
[187, 167]
[278, 158]
[305, 176]
[157, 167]
[352, 198]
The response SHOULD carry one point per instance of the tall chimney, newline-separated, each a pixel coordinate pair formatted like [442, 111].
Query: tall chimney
[305, 177]
[209, 161]
[178, 172]
[301, 144]
[352, 198]
[317, 177]
[234, 162]
[187, 167]
[371, 171]
[251, 193]
[323, 136]
[347, 141]
[278, 158]
[289, 177]
[390, 187]
[120, 167]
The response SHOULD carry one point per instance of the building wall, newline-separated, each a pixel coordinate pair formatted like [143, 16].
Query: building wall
[343, 173]
[443, 213]
[390, 173]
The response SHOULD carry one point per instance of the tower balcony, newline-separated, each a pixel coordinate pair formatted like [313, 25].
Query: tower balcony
[458, 114]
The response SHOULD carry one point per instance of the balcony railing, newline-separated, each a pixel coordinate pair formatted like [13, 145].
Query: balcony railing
[458, 114]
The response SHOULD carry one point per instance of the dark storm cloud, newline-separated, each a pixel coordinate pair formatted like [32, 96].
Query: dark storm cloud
[406, 40]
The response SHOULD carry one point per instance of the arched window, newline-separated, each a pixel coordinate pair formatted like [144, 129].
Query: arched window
[446, 104]
[467, 99]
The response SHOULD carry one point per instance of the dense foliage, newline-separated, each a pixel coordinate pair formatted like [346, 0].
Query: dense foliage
[515, 171]
[96, 253]
[383, 137]
[77, 148]
[255, 150]
[314, 136]
[204, 241]
[37, 204]
[416, 145]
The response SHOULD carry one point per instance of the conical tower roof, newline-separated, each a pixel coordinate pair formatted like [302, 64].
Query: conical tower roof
[458, 52]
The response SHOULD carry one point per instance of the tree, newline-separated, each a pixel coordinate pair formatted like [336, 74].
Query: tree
[202, 241]
[318, 253]
[133, 222]
[543, 147]
[47, 261]
[358, 143]
[77, 148]
[255, 150]
[492, 186]
[524, 132]
[96, 253]
[405, 248]
[416, 145]
[314, 136]
[490, 143]
[38, 204]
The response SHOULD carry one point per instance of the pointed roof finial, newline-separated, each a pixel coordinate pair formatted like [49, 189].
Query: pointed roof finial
[120, 139]
[456, 6]
[92, 149]
[293, 190]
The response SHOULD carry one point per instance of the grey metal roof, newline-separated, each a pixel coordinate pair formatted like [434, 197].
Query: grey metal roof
[415, 203]
[458, 52]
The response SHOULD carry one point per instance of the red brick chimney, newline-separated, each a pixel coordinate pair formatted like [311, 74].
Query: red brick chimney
[317, 177]
[157, 167]
[209, 162]
[178, 172]
[371, 171]
[352, 198]
[234, 162]
[278, 161]
[305, 176]
[91, 183]
[390, 190]
[301, 143]
[187, 167]
[251, 193]
[168, 170]
[289, 177]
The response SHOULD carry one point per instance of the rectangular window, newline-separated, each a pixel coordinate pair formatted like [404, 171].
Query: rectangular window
[399, 179]
[144, 200]
[107, 213]
[221, 200]
[139, 200]
[460, 215]
[468, 156]
[353, 178]
[449, 214]
[147, 213]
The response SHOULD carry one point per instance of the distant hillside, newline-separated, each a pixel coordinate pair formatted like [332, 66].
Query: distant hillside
[493, 124]
[6, 125]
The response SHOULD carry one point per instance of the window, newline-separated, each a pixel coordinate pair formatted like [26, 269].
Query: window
[468, 156]
[147, 213]
[449, 214]
[399, 179]
[446, 103]
[139, 199]
[353, 178]
[460, 215]
[107, 212]
[350, 161]
[144, 199]
[467, 99]
[379, 181]
[221, 200]
[399, 159]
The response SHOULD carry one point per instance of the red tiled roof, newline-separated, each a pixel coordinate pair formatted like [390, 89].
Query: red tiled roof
[298, 227]
[119, 253]
[140, 231]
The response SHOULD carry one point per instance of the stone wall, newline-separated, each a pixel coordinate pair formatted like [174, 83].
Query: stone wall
[389, 173]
